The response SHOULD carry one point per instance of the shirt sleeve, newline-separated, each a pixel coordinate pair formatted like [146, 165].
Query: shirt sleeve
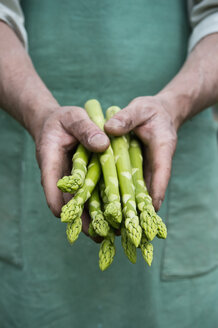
[11, 13]
[203, 17]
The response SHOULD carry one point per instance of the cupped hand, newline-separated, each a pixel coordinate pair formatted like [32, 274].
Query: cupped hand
[154, 123]
[57, 136]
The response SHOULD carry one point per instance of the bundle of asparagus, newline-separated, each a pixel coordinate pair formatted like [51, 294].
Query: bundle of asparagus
[113, 183]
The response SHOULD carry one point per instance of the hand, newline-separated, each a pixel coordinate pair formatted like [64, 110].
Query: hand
[154, 124]
[56, 137]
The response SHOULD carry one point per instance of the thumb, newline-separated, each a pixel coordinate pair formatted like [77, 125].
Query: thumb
[127, 119]
[76, 122]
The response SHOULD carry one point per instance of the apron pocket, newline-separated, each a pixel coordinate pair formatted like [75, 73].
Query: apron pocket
[191, 247]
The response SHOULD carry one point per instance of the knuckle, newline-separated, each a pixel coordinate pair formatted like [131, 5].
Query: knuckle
[72, 110]
[162, 165]
[127, 117]
[76, 124]
[90, 131]
[72, 116]
[137, 100]
[156, 166]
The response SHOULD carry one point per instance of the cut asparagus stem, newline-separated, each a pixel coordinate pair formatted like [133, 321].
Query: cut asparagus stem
[99, 224]
[113, 209]
[120, 148]
[76, 180]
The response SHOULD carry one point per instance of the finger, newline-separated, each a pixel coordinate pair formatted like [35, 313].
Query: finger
[67, 197]
[146, 168]
[148, 175]
[85, 223]
[117, 232]
[53, 163]
[76, 122]
[160, 147]
[97, 239]
[161, 163]
[135, 114]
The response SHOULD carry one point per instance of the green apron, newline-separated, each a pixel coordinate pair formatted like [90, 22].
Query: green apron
[113, 51]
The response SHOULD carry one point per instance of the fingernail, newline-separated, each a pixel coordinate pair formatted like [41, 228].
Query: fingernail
[113, 122]
[98, 140]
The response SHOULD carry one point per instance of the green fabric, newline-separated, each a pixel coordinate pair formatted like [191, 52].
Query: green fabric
[113, 51]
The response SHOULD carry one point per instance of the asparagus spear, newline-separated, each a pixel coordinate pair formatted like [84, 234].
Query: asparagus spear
[73, 209]
[113, 208]
[91, 230]
[161, 228]
[150, 222]
[99, 224]
[147, 249]
[120, 148]
[109, 218]
[128, 246]
[76, 180]
[73, 230]
[102, 192]
[107, 251]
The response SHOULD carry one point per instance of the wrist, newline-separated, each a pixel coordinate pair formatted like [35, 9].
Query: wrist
[182, 96]
[177, 105]
[34, 116]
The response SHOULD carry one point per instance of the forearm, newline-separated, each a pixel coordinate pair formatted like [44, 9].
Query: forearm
[195, 87]
[22, 93]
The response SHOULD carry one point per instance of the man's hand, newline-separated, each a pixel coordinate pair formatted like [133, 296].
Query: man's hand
[156, 119]
[154, 125]
[56, 130]
[55, 139]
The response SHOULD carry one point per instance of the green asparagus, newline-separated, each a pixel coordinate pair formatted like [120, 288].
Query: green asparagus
[147, 249]
[76, 180]
[120, 148]
[107, 251]
[99, 224]
[118, 170]
[128, 246]
[113, 209]
[91, 230]
[73, 230]
[73, 209]
[161, 228]
[109, 218]
[148, 217]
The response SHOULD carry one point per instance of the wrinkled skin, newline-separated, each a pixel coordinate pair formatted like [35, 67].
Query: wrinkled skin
[59, 134]
[56, 130]
[153, 124]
